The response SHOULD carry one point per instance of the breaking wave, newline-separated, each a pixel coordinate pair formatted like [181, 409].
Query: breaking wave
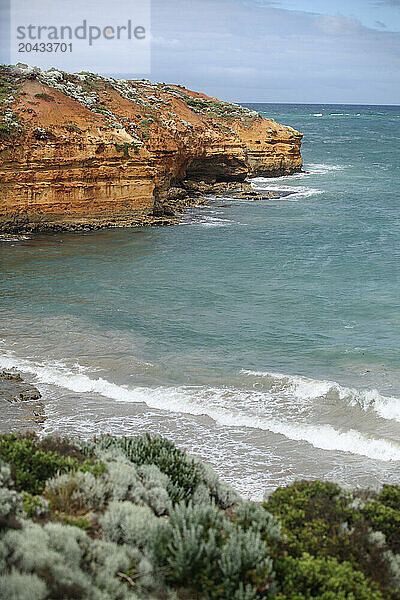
[228, 407]
[301, 388]
[292, 192]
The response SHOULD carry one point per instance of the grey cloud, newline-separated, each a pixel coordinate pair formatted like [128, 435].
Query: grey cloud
[266, 54]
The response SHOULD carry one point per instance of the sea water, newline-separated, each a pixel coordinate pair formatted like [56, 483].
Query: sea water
[261, 335]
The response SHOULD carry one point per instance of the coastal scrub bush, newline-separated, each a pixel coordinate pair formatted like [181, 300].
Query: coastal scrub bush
[125, 148]
[311, 513]
[306, 578]
[5, 475]
[126, 523]
[6, 89]
[183, 472]
[32, 464]
[321, 519]
[212, 488]
[203, 551]
[390, 496]
[11, 507]
[384, 519]
[45, 97]
[76, 491]
[137, 518]
[383, 514]
[31, 467]
[67, 562]
[72, 128]
[22, 586]
[9, 131]
[34, 506]
[250, 515]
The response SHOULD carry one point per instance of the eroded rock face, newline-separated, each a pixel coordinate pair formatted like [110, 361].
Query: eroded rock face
[84, 151]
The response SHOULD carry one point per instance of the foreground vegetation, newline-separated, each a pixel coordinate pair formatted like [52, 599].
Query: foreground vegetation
[137, 518]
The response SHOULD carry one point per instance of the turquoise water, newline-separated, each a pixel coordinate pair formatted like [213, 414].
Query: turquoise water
[261, 335]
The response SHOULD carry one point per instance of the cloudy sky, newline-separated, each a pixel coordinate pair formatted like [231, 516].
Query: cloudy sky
[276, 51]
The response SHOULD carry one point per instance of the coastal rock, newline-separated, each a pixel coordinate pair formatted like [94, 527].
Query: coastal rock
[80, 151]
[19, 406]
[14, 389]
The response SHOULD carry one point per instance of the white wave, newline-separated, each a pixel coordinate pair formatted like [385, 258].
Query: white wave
[11, 238]
[309, 169]
[265, 180]
[294, 191]
[214, 222]
[227, 407]
[322, 169]
[304, 388]
[207, 221]
[317, 115]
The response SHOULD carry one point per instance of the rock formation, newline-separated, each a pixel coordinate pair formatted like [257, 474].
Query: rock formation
[83, 151]
[19, 408]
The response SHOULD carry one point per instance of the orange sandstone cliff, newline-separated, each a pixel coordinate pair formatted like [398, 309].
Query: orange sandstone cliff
[81, 151]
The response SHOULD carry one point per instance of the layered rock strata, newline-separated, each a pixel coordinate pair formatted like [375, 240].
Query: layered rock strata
[84, 151]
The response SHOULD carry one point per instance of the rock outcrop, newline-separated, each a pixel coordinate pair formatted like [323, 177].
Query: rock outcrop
[19, 406]
[14, 389]
[83, 151]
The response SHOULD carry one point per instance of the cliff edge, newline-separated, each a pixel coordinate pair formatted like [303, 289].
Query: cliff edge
[81, 151]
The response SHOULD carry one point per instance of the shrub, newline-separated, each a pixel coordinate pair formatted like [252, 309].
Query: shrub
[323, 579]
[312, 514]
[5, 475]
[184, 474]
[31, 466]
[76, 491]
[45, 97]
[390, 496]
[9, 131]
[72, 128]
[6, 89]
[125, 148]
[385, 519]
[320, 519]
[126, 523]
[22, 586]
[250, 515]
[11, 507]
[34, 506]
[66, 562]
[81, 522]
[223, 494]
[205, 552]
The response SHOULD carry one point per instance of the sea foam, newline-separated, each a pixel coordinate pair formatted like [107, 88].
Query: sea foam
[229, 407]
[304, 388]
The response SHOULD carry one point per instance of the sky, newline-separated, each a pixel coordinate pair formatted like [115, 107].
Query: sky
[300, 51]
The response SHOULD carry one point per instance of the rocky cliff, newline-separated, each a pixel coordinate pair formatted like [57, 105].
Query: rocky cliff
[80, 150]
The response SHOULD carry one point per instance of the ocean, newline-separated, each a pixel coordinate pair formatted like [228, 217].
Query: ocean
[260, 335]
